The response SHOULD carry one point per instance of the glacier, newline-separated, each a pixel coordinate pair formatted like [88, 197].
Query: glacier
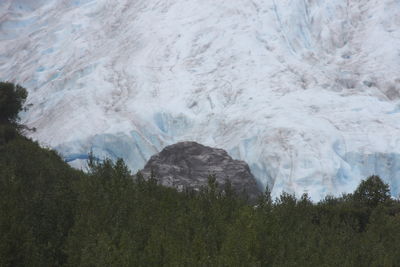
[306, 92]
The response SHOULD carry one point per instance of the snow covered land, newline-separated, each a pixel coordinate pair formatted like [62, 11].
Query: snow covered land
[307, 92]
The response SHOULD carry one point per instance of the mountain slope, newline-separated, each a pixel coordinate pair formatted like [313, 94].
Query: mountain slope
[306, 92]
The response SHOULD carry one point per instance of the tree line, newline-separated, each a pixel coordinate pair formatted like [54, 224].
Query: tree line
[54, 215]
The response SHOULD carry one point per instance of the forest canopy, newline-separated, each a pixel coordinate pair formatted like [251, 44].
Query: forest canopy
[53, 215]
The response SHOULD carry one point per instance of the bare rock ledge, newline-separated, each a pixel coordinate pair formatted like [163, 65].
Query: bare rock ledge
[189, 164]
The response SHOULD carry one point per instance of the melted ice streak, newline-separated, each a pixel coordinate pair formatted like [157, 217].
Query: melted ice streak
[307, 92]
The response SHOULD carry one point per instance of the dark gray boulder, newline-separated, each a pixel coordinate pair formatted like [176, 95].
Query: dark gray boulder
[189, 164]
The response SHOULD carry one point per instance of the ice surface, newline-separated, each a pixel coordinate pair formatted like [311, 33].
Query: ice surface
[307, 92]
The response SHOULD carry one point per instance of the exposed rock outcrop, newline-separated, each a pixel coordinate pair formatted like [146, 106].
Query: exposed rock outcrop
[189, 164]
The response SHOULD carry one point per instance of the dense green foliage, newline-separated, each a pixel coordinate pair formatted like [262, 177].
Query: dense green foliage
[53, 215]
[12, 99]
[37, 204]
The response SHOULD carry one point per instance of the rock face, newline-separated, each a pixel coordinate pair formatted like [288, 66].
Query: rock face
[188, 165]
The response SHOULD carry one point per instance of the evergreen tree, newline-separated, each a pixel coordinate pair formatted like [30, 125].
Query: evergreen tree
[12, 99]
[372, 191]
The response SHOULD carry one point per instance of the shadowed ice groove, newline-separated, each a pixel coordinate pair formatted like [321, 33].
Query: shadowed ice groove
[133, 149]
[171, 125]
[386, 165]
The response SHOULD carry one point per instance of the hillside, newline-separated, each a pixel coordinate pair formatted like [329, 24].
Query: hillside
[53, 215]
